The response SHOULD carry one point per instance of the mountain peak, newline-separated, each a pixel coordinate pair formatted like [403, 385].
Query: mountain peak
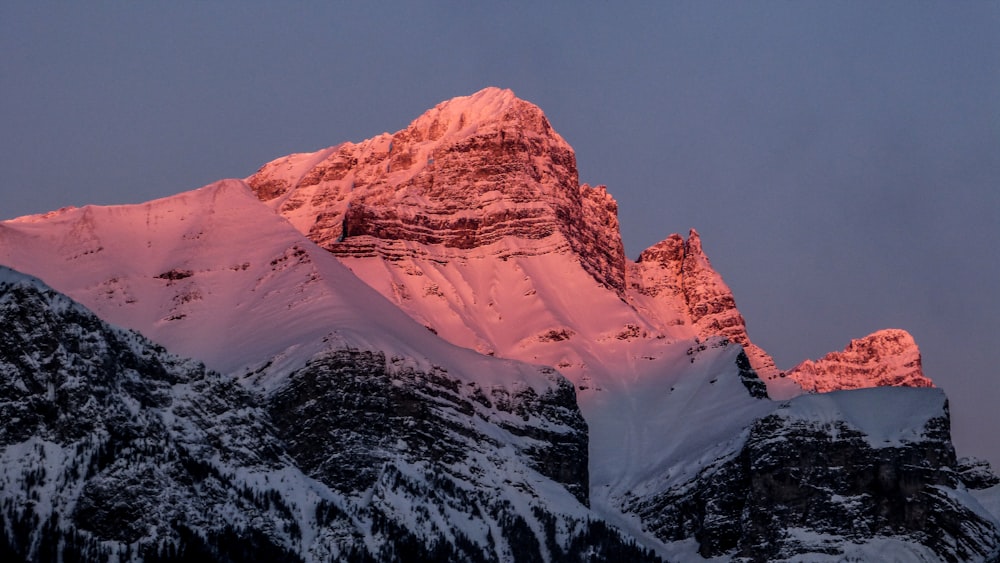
[490, 97]
[488, 104]
[885, 358]
[674, 249]
[465, 114]
[485, 171]
[668, 251]
[676, 270]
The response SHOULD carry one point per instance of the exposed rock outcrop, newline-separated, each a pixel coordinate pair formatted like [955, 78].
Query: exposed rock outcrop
[887, 358]
[474, 171]
[674, 282]
[390, 413]
[977, 473]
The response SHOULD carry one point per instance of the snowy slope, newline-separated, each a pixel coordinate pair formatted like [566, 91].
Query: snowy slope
[107, 440]
[352, 452]
[217, 276]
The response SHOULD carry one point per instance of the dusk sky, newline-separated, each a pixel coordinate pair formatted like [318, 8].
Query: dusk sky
[841, 160]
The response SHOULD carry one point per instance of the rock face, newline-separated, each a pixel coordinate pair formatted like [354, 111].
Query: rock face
[471, 172]
[386, 416]
[828, 477]
[674, 282]
[977, 473]
[887, 358]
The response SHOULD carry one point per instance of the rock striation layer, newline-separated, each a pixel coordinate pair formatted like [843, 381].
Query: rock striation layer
[471, 172]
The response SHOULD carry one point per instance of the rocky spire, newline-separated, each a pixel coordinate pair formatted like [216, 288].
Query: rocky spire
[676, 275]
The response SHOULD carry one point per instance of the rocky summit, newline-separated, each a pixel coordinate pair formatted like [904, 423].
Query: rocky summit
[886, 358]
[468, 173]
[430, 346]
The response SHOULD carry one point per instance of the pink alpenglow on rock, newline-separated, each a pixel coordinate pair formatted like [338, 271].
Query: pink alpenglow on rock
[468, 173]
[887, 358]
[674, 282]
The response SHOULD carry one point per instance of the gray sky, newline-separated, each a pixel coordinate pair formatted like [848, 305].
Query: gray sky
[841, 160]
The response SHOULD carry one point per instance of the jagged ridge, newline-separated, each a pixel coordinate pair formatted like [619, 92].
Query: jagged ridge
[664, 370]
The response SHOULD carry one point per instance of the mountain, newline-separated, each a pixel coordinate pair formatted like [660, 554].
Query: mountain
[463, 217]
[440, 335]
[473, 221]
[112, 447]
[851, 475]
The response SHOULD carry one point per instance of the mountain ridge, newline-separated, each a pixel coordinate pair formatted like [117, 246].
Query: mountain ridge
[455, 285]
[368, 202]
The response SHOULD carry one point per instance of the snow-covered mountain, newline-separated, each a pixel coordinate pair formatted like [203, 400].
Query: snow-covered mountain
[111, 447]
[441, 335]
